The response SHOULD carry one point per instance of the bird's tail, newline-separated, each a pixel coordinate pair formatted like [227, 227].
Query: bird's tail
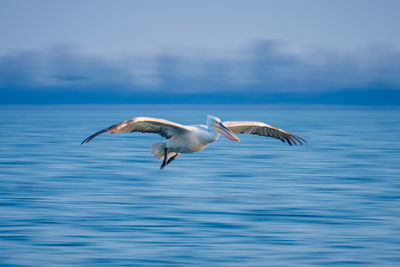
[157, 149]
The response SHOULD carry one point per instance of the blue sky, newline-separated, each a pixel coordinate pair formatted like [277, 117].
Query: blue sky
[114, 28]
[104, 51]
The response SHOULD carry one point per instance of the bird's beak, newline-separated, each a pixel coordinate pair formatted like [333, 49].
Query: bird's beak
[226, 132]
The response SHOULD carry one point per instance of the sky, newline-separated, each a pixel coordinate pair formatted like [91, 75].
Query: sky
[124, 50]
[117, 28]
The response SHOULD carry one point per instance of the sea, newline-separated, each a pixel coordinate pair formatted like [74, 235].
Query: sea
[333, 202]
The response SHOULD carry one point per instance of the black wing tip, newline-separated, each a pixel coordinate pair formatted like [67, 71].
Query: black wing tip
[87, 140]
[289, 141]
[294, 140]
[300, 140]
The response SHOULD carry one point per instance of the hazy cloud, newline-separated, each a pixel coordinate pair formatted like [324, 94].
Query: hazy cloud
[262, 67]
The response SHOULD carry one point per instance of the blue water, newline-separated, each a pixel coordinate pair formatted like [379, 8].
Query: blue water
[335, 201]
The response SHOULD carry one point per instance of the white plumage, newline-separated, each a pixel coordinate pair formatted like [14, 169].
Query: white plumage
[189, 139]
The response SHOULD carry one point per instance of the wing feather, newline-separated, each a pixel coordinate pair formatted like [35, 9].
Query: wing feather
[145, 125]
[263, 129]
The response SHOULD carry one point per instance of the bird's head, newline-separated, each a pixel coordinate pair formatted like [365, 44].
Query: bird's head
[216, 124]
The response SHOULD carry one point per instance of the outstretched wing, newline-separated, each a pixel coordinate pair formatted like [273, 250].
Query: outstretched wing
[145, 125]
[263, 129]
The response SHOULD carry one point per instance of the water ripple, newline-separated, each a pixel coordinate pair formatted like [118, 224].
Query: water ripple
[254, 203]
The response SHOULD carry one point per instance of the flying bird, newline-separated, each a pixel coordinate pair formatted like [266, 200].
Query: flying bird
[192, 138]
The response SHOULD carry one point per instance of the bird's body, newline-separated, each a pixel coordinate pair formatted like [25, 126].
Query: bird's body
[193, 138]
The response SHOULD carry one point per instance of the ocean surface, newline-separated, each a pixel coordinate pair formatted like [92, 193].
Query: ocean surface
[258, 202]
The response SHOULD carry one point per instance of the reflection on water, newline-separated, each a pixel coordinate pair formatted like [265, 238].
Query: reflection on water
[257, 202]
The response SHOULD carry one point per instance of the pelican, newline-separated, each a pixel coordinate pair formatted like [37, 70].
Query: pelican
[193, 138]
